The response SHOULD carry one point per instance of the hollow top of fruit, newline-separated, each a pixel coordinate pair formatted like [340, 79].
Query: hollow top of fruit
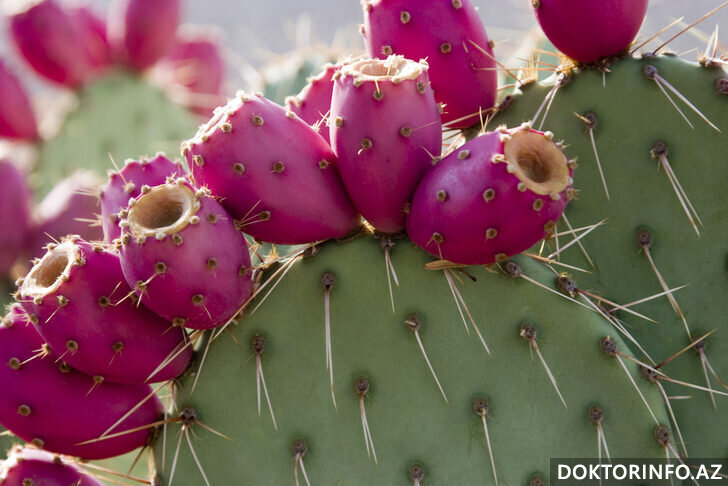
[165, 209]
[48, 274]
[537, 161]
[394, 69]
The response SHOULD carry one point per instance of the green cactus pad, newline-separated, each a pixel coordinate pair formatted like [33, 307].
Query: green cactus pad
[633, 114]
[121, 115]
[410, 422]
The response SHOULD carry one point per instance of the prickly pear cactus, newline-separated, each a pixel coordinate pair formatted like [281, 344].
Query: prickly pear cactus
[387, 413]
[664, 213]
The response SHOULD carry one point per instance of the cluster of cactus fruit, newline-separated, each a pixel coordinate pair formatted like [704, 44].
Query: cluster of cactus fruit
[399, 195]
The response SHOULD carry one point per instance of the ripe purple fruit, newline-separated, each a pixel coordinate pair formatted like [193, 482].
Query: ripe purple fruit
[52, 42]
[451, 37]
[54, 407]
[272, 171]
[492, 198]
[17, 120]
[313, 103]
[589, 30]
[32, 467]
[184, 256]
[127, 184]
[15, 202]
[385, 132]
[142, 31]
[79, 302]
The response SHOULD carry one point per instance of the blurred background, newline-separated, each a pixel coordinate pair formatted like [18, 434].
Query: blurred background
[255, 31]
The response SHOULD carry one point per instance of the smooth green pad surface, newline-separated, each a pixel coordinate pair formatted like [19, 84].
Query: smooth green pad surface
[121, 115]
[633, 114]
[409, 420]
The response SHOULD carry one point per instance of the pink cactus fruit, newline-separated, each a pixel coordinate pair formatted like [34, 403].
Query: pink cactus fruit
[274, 173]
[184, 256]
[93, 30]
[142, 31]
[313, 103]
[193, 71]
[450, 36]
[492, 198]
[56, 408]
[78, 301]
[51, 41]
[589, 30]
[71, 208]
[17, 120]
[33, 467]
[385, 131]
[127, 184]
[15, 217]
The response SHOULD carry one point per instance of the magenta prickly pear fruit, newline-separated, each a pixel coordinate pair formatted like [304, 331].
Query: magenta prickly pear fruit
[17, 120]
[313, 103]
[51, 41]
[71, 208]
[78, 301]
[450, 36]
[15, 202]
[127, 184]
[274, 173]
[492, 198]
[193, 71]
[56, 408]
[142, 31]
[385, 131]
[33, 467]
[589, 30]
[184, 256]
[93, 31]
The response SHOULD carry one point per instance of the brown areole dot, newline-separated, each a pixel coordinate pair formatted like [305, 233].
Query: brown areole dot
[361, 386]
[644, 238]
[328, 279]
[413, 321]
[662, 435]
[258, 344]
[404, 17]
[416, 472]
[299, 447]
[595, 414]
[608, 346]
[481, 406]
